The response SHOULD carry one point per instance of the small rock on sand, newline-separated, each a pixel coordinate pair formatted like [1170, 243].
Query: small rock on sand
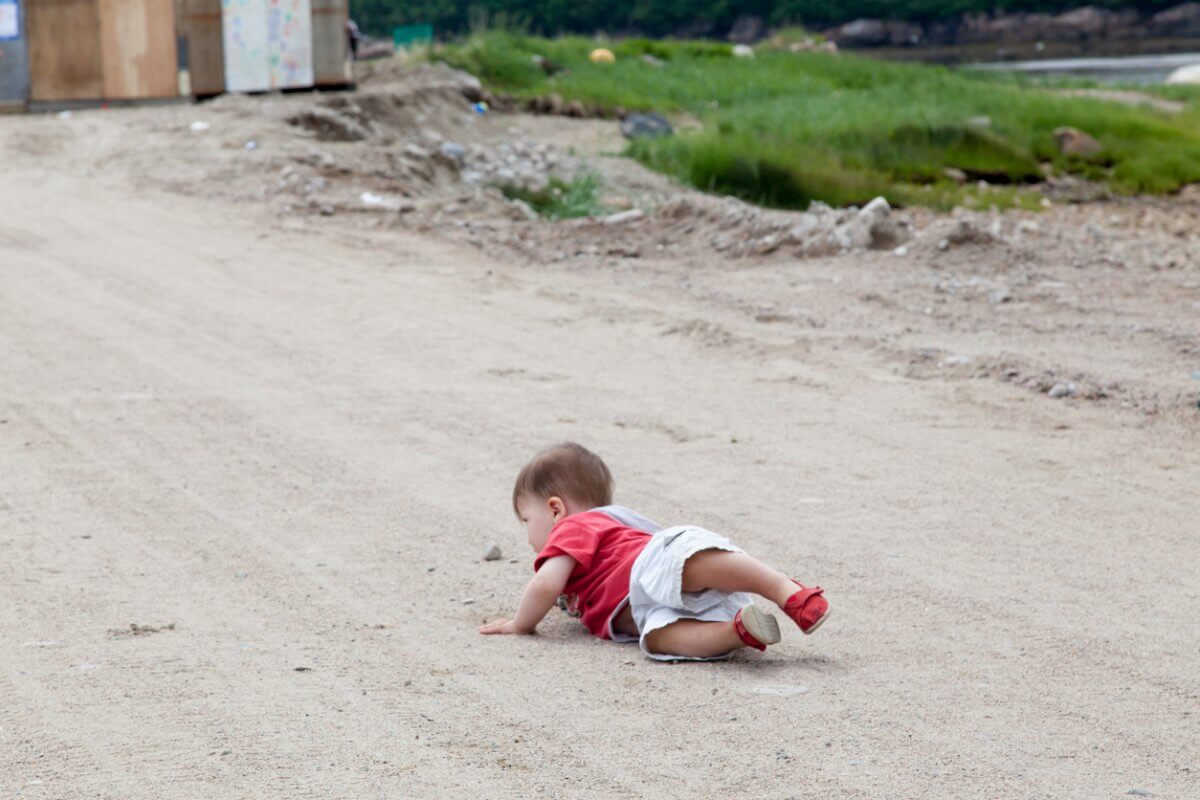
[492, 553]
[1061, 390]
[623, 217]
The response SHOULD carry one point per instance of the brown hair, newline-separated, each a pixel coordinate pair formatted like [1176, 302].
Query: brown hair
[566, 470]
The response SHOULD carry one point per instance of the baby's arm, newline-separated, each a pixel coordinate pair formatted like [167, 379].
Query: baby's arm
[537, 599]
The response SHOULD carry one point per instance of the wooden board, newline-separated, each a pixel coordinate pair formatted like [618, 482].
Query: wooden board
[330, 65]
[200, 26]
[64, 50]
[268, 44]
[244, 30]
[137, 48]
[289, 43]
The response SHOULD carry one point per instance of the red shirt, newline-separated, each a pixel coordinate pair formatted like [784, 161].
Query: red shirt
[604, 551]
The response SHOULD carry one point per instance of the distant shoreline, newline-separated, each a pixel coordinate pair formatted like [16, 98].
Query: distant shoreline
[987, 52]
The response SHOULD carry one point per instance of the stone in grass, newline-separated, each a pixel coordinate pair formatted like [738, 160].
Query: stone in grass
[1074, 142]
[650, 125]
[492, 553]
[955, 174]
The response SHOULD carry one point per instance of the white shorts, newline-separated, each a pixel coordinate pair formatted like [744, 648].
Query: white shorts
[656, 595]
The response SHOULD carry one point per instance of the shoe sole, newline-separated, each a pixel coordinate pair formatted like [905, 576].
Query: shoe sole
[761, 625]
[812, 628]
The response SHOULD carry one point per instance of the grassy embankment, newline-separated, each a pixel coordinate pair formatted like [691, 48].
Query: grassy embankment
[783, 129]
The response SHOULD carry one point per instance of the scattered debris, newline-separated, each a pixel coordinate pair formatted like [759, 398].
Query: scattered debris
[372, 200]
[135, 629]
[330, 125]
[780, 689]
[492, 553]
[454, 152]
[965, 232]
[616, 202]
[623, 217]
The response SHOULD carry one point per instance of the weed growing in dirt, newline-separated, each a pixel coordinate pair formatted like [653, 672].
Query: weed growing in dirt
[561, 199]
[783, 128]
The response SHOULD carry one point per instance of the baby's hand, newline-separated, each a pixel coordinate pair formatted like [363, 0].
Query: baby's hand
[502, 626]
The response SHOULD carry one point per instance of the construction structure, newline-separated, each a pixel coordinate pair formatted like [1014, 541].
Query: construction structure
[14, 57]
[59, 52]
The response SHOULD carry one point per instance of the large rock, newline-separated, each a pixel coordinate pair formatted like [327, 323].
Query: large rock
[872, 227]
[1078, 24]
[1182, 20]
[876, 33]
[747, 29]
[860, 33]
[1088, 22]
[1185, 75]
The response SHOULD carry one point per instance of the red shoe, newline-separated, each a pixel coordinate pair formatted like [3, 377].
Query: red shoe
[756, 627]
[807, 607]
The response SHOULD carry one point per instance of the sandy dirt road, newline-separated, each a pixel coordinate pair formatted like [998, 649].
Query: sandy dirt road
[294, 446]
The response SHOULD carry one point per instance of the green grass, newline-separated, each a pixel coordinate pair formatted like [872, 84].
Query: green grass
[783, 129]
[562, 200]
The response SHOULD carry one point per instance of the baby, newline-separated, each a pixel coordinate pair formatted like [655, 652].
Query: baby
[682, 592]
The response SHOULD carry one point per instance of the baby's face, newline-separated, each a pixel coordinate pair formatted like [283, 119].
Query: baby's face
[538, 518]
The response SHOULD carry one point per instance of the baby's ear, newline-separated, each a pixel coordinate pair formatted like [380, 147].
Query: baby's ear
[557, 506]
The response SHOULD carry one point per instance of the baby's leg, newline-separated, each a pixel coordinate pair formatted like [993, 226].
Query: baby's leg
[694, 638]
[739, 572]
[735, 572]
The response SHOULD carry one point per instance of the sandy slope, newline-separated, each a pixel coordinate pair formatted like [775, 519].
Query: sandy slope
[294, 445]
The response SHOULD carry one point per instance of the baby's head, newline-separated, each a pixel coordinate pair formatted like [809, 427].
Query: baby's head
[559, 481]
